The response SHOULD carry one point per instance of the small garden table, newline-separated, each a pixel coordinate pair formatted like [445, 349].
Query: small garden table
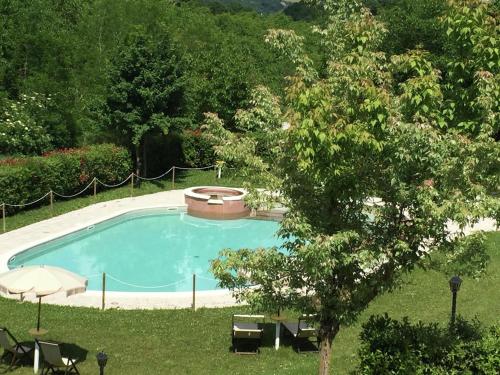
[36, 333]
[278, 319]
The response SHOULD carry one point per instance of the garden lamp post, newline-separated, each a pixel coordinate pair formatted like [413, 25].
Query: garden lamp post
[102, 359]
[455, 283]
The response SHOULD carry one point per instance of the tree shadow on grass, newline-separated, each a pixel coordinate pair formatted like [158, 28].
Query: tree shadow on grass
[74, 351]
[301, 346]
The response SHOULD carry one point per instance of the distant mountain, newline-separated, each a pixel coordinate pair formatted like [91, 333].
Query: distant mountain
[261, 6]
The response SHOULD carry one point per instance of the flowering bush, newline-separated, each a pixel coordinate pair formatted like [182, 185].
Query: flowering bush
[19, 132]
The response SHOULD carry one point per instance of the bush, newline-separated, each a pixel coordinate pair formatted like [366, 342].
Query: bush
[398, 347]
[66, 172]
[197, 151]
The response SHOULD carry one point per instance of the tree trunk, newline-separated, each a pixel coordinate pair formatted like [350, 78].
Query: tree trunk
[145, 156]
[138, 159]
[327, 332]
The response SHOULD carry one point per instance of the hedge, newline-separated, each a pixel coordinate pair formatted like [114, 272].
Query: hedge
[66, 172]
[389, 346]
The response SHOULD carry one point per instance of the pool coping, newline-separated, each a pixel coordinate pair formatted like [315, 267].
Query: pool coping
[24, 238]
[190, 193]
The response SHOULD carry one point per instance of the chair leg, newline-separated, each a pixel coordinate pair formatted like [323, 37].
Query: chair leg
[45, 368]
[14, 356]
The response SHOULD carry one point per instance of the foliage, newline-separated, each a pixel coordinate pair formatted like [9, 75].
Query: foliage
[38, 49]
[256, 147]
[20, 134]
[371, 170]
[146, 92]
[473, 69]
[66, 50]
[261, 6]
[390, 346]
[411, 24]
[302, 11]
[196, 150]
[67, 171]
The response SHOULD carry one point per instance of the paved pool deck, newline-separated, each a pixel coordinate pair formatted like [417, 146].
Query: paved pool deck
[26, 237]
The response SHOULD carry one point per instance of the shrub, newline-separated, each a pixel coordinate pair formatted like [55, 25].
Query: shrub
[197, 151]
[19, 131]
[398, 347]
[65, 171]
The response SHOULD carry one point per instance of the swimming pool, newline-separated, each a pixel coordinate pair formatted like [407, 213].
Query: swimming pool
[150, 251]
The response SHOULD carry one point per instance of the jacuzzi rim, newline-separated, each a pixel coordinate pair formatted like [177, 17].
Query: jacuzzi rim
[189, 192]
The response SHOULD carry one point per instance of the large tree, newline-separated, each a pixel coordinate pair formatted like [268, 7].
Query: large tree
[146, 91]
[372, 173]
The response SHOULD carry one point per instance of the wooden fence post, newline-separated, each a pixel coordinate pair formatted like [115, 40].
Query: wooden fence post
[132, 186]
[103, 290]
[95, 188]
[194, 292]
[3, 216]
[51, 195]
[173, 177]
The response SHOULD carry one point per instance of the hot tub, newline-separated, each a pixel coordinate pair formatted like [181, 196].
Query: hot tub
[215, 202]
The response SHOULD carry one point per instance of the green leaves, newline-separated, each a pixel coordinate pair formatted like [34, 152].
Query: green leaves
[472, 33]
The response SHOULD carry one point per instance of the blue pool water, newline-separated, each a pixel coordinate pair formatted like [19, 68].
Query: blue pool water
[153, 251]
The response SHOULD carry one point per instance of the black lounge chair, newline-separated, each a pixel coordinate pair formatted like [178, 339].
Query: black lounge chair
[11, 346]
[246, 334]
[301, 333]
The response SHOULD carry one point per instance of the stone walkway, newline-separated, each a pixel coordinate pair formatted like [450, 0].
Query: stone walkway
[21, 239]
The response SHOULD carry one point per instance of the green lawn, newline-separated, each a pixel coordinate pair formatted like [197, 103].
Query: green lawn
[187, 342]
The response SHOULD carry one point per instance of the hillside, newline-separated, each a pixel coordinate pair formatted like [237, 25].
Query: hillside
[261, 6]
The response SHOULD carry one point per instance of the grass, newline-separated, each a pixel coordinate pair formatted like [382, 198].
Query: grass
[183, 179]
[187, 342]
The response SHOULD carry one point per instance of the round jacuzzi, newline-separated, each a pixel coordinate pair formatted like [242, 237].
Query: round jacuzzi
[215, 202]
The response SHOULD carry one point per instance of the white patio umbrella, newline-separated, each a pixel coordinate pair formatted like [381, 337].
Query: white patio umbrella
[42, 281]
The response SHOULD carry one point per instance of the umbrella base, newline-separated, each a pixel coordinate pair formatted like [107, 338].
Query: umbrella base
[38, 332]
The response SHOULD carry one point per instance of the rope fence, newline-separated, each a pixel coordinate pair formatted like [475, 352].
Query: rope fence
[147, 287]
[106, 276]
[76, 194]
[115, 185]
[94, 182]
[156, 178]
[28, 204]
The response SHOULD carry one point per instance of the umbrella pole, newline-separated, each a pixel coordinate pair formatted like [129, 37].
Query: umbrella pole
[39, 308]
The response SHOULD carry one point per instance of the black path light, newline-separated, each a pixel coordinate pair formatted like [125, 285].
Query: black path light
[102, 359]
[455, 283]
